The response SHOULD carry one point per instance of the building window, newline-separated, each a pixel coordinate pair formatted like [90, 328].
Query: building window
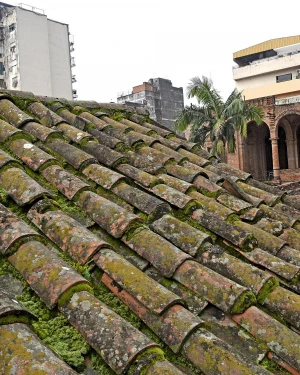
[284, 77]
[2, 69]
[14, 82]
[11, 27]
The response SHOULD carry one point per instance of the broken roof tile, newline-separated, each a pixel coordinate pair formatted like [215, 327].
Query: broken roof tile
[74, 239]
[226, 329]
[48, 275]
[111, 217]
[31, 155]
[68, 184]
[73, 155]
[104, 154]
[112, 337]
[141, 200]
[22, 188]
[229, 296]
[13, 229]
[158, 251]
[182, 235]
[279, 338]
[13, 114]
[136, 282]
[21, 352]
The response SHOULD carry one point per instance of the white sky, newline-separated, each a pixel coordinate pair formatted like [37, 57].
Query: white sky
[122, 43]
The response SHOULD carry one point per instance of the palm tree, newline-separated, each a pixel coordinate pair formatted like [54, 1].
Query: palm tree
[215, 118]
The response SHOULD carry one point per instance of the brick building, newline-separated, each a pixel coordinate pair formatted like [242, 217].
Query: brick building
[268, 74]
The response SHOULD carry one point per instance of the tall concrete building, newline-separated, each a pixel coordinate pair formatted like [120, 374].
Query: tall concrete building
[268, 74]
[35, 52]
[163, 101]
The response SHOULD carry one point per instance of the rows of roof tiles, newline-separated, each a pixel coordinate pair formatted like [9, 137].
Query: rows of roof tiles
[205, 256]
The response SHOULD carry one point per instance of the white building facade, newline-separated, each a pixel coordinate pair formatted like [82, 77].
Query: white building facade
[35, 53]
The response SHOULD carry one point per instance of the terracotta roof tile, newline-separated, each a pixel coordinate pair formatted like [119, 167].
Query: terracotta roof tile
[74, 156]
[158, 251]
[22, 193]
[168, 151]
[7, 131]
[182, 173]
[41, 132]
[154, 156]
[7, 159]
[234, 203]
[104, 154]
[141, 177]
[117, 341]
[12, 230]
[74, 239]
[23, 353]
[230, 298]
[268, 198]
[31, 155]
[41, 111]
[106, 140]
[291, 237]
[226, 329]
[111, 217]
[100, 124]
[163, 368]
[138, 128]
[279, 338]
[73, 133]
[136, 282]
[48, 275]
[103, 176]
[13, 114]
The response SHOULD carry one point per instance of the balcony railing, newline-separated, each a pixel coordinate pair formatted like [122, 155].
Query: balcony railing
[72, 62]
[291, 100]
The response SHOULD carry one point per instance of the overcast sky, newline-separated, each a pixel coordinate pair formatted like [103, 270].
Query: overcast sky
[122, 43]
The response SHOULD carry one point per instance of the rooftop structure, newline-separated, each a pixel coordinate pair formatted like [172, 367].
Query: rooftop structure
[129, 250]
[35, 52]
[163, 101]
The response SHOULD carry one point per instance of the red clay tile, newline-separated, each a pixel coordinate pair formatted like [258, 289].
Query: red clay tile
[74, 239]
[184, 143]
[141, 120]
[106, 140]
[136, 127]
[222, 326]
[143, 163]
[192, 300]
[136, 282]
[229, 296]
[280, 267]
[268, 198]
[265, 240]
[131, 138]
[182, 173]
[225, 168]
[47, 274]
[207, 187]
[7, 159]
[103, 176]
[104, 154]
[112, 337]
[154, 156]
[163, 368]
[115, 124]
[211, 205]
[31, 155]
[280, 362]
[258, 281]
[74, 156]
[290, 255]
[21, 352]
[7, 130]
[13, 114]
[143, 178]
[174, 197]
[228, 231]
[182, 235]
[173, 326]
[42, 111]
[41, 132]
[284, 303]
[10, 307]
[204, 171]
[279, 338]
[168, 151]
[176, 183]
[13, 229]
[68, 184]
[143, 201]
[235, 204]
[111, 217]
[100, 124]
[73, 133]
[286, 221]
[195, 159]
[271, 226]
[252, 214]
[158, 251]
[214, 357]
[22, 193]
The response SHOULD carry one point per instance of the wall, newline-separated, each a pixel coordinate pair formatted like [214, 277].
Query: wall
[60, 64]
[289, 88]
[34, 57]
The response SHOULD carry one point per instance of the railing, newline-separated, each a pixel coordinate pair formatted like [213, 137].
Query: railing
[74, 78]
[71, 42]
[73, 62]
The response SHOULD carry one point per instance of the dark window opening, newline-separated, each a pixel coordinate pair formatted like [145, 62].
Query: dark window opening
[11, 27]
[284, 77]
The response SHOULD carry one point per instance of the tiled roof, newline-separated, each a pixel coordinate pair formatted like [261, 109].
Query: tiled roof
[126, 249]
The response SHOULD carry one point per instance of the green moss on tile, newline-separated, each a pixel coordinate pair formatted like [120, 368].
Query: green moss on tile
[245, 300]
[23, 103]
[66, 296]
[99, 364]
[273, 367]
[268, 287]
[149, 357]
[15, 319]
[117, 116]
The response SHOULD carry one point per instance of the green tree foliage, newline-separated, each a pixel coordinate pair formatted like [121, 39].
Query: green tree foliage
[216, 119]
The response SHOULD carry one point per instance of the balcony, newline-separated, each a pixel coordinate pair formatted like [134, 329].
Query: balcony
[73, 62]
[74, 94]
[71, 42]
[74, 78]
